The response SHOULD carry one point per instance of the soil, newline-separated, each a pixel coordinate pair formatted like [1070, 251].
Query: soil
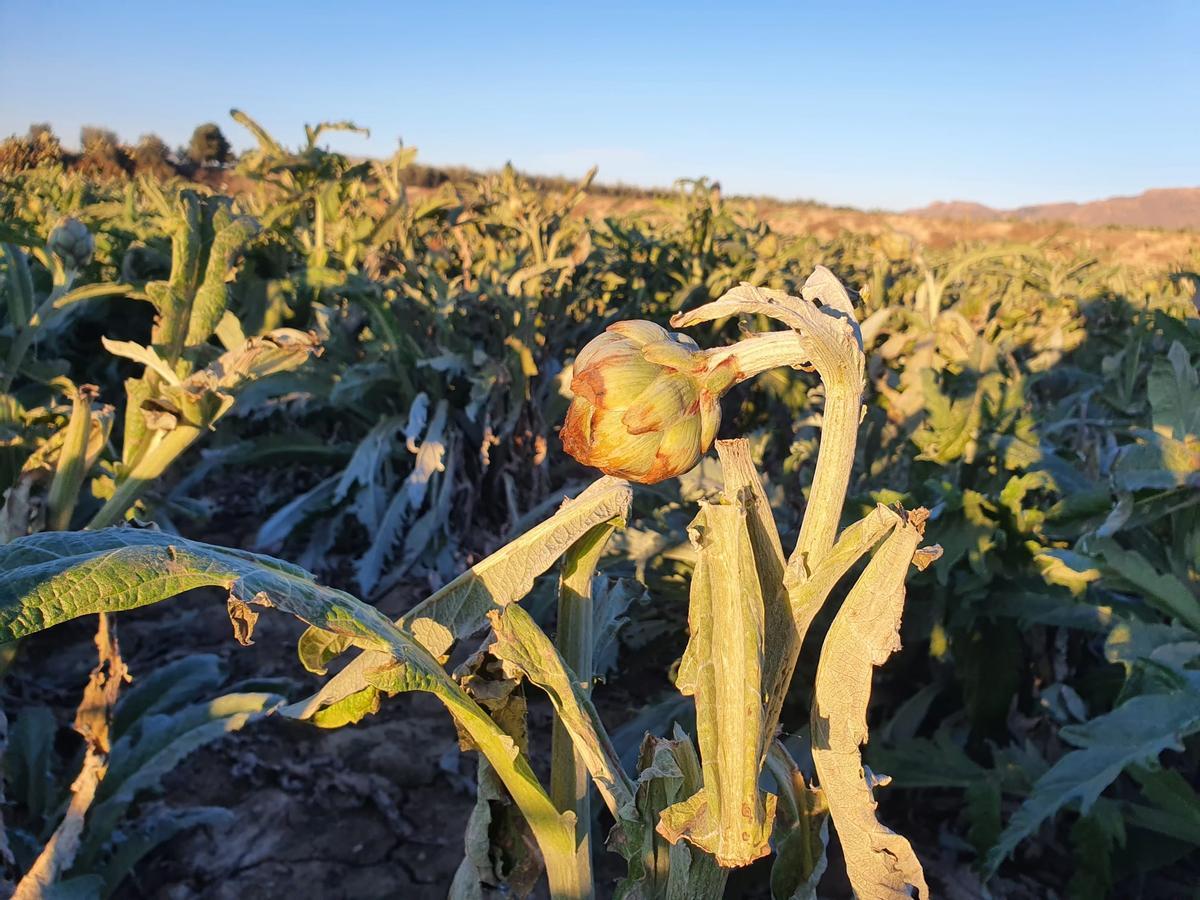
[372, 810]
[378, 809]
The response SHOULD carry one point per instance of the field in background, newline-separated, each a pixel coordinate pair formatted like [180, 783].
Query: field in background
[1033, 384]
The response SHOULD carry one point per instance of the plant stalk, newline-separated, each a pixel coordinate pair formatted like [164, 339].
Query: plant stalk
[150, 467]
[72, 462]
[835, 459]
[570, 785]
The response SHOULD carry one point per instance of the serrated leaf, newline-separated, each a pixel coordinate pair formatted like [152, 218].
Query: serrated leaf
[1174, 389]
[1134, 733]
[273, 532]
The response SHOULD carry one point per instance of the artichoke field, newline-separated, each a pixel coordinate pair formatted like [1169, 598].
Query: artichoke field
[977, 663]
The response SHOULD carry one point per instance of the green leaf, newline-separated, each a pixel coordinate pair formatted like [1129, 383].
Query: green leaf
[1174, 808]
[19, 284]
[56, 576]
[317, 647]
[155, 748]
[167, 688]
[27, 761]
[275, 530]
[460, 608]
[743, 484]
[668, 771]
[1174, 389]
[230, 235]
[801, 831]
[144, 355]
[523, 645]
[1134, 733]
[1161, 589]
[1066, 568]
[1093, 839]
[1157, 461]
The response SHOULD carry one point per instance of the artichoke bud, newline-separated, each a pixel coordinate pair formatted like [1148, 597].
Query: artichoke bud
[71, 242]
[646, 402]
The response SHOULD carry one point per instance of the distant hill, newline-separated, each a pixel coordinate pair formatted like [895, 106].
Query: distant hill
[1160, 208]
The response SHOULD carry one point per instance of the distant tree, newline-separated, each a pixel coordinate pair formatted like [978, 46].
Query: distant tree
[39, 147]
[93, 136]
[102, 154]
[208, 146]
[152, 157]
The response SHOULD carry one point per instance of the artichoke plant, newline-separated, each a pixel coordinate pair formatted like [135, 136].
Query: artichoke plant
[646, 402]
[72, 243]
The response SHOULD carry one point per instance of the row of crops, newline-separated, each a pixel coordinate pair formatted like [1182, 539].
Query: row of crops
[388, 368]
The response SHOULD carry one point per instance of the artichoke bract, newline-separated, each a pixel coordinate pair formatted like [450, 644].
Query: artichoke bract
[646, 402]
[71, 242]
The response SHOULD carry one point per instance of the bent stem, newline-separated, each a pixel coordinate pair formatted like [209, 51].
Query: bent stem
[835, 459]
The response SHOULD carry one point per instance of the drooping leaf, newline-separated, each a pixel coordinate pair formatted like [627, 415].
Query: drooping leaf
[57, 576]
[881, 863]
[521, 644]
[461, 607]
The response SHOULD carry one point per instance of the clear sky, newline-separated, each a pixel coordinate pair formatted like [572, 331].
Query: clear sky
[868, 104]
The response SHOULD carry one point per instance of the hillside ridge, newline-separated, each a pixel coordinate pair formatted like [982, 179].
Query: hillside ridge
[1153, 208]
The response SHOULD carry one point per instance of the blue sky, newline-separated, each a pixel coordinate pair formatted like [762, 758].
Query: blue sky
[886, 105]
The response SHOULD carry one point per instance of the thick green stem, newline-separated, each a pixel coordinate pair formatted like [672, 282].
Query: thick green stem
[570, 786]
[72, 463]
[150, 467]
[554, 836]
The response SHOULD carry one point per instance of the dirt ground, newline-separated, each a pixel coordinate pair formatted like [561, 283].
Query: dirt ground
[368, 811]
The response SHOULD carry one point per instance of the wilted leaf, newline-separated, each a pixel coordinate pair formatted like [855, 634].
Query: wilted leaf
[881, 863]
[722, 670]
